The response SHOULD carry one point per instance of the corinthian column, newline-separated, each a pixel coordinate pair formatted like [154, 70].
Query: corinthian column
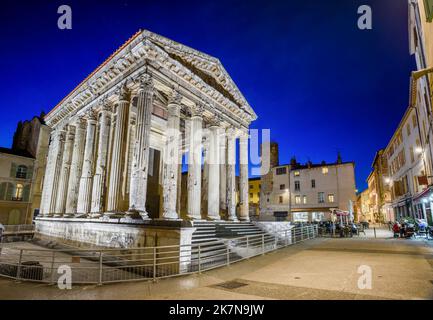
[231, 175]
[119, 150]
[97, 204]
[243, 177]
[64, 172]
[171, 157]
[76, 168]
[52, 172]
[213, 198]
[223, 174]
[140, 161]
[194, 162]
[85, 191]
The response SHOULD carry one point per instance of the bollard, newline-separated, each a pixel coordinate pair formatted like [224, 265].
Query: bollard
[374, 228]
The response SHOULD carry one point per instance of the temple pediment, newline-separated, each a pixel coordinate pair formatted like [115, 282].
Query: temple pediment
[202, 74]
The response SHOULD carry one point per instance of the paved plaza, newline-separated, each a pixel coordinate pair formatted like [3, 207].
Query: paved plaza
[322, 268]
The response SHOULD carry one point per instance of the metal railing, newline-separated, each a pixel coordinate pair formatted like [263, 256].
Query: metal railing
[149, 263]
[17, 228]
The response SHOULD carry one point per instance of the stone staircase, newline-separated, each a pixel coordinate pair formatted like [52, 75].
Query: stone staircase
[210, 235]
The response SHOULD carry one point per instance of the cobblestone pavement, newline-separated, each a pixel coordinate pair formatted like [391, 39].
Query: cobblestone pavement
[318, 269]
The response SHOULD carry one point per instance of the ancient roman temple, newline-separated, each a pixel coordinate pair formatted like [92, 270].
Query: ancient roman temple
[156, 123]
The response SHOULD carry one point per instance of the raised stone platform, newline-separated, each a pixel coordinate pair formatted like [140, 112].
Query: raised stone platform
[114, 233]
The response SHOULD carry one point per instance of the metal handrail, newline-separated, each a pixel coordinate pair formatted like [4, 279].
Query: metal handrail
[108, 265]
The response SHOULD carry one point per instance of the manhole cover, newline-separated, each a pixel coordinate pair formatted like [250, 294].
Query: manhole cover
[231, 285]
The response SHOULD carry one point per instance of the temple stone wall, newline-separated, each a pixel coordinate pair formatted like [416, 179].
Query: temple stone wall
[85, 233]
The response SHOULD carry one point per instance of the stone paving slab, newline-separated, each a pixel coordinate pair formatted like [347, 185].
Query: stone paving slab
[317, 269]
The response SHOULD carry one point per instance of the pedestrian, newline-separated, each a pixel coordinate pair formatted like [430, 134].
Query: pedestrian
[396, 229]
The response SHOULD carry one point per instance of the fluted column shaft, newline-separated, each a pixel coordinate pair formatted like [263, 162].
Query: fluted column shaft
[55, 155]
[76, 168]
[64, 172]
[243, 178]
[85, 191]
[97, 203]
[231, 176]
[194, 164]
[171, 156]
[118, 153]
[223, 174]
[140, 162]
[213, 199]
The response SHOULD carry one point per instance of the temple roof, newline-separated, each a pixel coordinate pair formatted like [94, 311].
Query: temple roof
[209, 69]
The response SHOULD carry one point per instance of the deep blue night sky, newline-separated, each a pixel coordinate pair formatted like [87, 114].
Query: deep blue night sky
[317, 81]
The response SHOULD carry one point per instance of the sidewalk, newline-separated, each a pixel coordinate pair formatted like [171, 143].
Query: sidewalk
[316, 269]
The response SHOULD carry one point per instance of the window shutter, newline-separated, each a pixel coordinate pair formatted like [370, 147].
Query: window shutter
[26, 193]
[428, 7]
[10, 191]
[29, 172]
[3, 190]
[13, 170]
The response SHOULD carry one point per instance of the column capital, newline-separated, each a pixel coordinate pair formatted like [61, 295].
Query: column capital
[243, 136]
[80, 123]
[197, 110]
[91, 116]
[105, 105]
[124, 93]
[231, 132]
[215, 121]
[175, 97]
[146, 82]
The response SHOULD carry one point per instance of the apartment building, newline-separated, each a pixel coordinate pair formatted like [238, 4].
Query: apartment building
[308, 192]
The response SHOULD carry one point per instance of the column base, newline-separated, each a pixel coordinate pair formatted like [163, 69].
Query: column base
[81, 215]
[170, 215]
[137, 214]
[213, 218]
[95, 215]
[234, 219]
[194, 218]
[114, 215]
[69, 215]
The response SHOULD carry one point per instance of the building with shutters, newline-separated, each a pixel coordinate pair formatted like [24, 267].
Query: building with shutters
[22, 169]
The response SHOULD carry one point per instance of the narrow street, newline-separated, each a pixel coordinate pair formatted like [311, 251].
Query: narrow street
[318, 269]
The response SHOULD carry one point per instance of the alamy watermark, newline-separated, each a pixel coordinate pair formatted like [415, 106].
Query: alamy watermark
[65, 19]
[365, 20]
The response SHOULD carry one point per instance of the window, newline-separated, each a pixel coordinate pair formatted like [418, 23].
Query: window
[280, 199]
[330, 198]
[281, 171]
[304, 200]
[321, 197]
[296, 173]
[282, 186]
[18, 192]
[297, 186]
[258, 194]
[260, 187]
[408, 129]
[21, 172]
[298, 199]
[414, 121]
[251, 186]
[313, 183]
[251, 195]
[325, 170]
[412, 155]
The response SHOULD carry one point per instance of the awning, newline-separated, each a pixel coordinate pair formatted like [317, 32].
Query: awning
[425, 193]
